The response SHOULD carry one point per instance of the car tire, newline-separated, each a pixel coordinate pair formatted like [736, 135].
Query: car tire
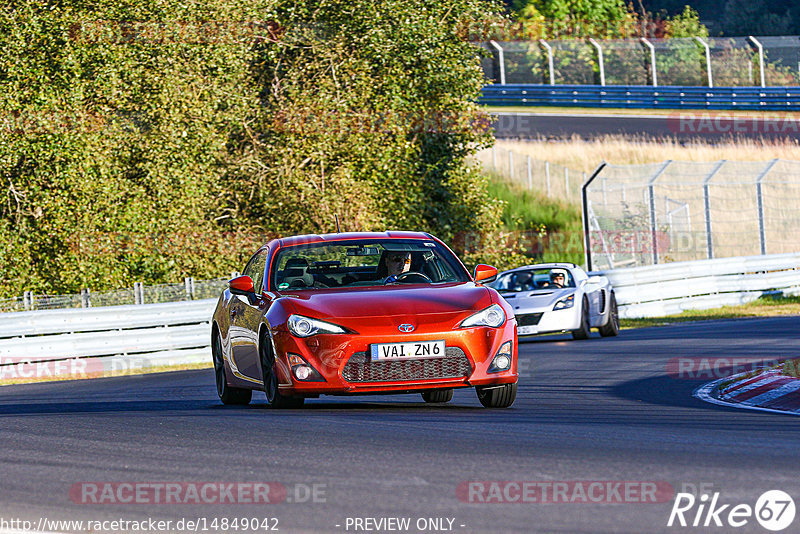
[497, 397]
[438, 395]
[274, 397]
[611, 328]
[227, 394]
[584, 330]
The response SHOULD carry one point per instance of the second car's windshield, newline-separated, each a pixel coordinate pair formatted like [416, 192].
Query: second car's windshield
[534, 279]
[364, 263]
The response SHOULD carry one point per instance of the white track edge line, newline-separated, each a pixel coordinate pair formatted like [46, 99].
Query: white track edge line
[704, 394]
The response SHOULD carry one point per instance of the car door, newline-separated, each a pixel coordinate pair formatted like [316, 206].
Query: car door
[246, 320]
[593, 295]
[581, 280]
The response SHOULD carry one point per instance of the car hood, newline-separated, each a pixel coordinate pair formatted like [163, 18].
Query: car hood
[391, 301]
[535, 299]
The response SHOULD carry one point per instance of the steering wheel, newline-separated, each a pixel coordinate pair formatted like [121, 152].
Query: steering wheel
[407, 277]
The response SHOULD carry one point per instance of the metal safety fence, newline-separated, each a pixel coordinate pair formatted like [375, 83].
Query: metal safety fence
[637, 215]
[692, 61]
[645, 97]
[553, 179]
[98, 342]
[139, 294]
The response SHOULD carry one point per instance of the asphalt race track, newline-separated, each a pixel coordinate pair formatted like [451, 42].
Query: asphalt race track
[687, 125]
[597, 410]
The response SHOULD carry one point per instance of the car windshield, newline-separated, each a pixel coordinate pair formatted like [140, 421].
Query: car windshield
[357, 263]
[534, 279]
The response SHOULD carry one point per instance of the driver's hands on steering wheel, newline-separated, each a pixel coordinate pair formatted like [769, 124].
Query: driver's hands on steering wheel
[402, 276]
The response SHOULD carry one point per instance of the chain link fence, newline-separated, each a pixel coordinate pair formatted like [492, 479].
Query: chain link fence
[684, 211]
[555, 180]
[138, 294]
[718, 61]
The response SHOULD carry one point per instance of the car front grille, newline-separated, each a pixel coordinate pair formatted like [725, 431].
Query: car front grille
[528, 319]
[360, 368]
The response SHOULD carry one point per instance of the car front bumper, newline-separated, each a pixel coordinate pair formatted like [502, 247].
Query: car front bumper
[343, 361]
[549, 321]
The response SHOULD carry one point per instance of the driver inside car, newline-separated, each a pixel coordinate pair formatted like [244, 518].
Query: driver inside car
[393, 264]
[557, 279]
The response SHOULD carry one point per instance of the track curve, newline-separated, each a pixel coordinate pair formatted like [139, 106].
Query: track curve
[602, 409]
[686, 125]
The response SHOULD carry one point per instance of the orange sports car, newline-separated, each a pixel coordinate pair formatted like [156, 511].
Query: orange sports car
[362, 313]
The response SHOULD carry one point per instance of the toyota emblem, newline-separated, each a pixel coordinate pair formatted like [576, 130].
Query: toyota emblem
[406, 328]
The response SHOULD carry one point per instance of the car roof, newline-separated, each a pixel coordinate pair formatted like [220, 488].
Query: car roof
[346, 236]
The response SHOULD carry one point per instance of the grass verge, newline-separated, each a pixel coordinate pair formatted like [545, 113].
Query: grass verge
[549, 227]
[124, 372]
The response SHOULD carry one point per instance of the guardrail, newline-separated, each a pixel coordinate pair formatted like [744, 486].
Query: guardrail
[669, 288]
[643, 97]
[96, 341]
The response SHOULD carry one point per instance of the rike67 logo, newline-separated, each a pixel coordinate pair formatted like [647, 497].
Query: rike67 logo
[774, 510]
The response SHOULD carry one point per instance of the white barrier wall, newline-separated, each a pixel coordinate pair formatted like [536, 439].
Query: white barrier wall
[669, 288]
[95, 341]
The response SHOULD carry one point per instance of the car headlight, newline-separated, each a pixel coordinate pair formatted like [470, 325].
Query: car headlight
[493, 316]
[563, 304]
[301, 326]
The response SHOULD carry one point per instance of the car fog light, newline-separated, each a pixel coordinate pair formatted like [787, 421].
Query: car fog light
[302, 372]
[502, 362]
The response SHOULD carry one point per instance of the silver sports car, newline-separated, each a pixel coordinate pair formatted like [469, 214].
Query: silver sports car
[559, 297]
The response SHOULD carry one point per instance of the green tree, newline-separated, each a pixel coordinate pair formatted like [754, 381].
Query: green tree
[588, 18]
[150, 141]
[685, 24]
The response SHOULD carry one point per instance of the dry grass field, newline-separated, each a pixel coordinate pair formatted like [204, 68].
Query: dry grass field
[584, 155]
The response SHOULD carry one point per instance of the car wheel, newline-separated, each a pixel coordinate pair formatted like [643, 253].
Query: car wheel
[438, 395]
[611, 328]
[497, 396]
[583, 331]
[227, 394]
[274, 397]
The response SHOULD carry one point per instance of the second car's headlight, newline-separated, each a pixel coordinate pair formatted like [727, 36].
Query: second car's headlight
[493, 316]
[565, 303]
[301, 326]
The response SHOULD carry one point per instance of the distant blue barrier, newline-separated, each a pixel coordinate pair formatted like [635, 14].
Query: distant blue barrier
[643, 97]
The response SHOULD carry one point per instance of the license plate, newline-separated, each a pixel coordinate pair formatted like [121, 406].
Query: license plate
[407, 351]
[525, 330]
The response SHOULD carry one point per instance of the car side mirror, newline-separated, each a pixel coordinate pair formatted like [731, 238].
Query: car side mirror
[597, 280]
[242, 285]
[485, 273]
